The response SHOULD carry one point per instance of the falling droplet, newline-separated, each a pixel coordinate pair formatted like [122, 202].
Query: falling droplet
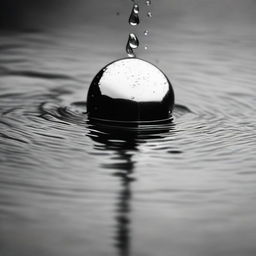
[134, 19]
[133, 41]
[148, 2]
[146, 32]
[132, 44]
[149, 14]
[129, 51]
[136, 8]
[146, 47]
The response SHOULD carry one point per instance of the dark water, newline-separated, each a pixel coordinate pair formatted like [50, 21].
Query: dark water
[69, 187]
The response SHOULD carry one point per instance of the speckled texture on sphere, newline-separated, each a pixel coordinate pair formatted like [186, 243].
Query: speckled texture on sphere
[130, 89]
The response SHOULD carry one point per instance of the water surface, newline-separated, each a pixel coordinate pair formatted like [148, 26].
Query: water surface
[69, 187]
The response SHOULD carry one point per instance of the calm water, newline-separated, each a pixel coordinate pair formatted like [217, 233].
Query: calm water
[69, 187]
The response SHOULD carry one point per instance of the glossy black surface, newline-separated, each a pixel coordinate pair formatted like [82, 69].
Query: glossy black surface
[130, 90]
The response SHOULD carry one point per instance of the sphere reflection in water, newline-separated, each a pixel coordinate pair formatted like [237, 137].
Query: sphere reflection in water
[130, 90]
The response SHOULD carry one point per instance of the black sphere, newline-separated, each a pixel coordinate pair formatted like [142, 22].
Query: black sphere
[130, 90]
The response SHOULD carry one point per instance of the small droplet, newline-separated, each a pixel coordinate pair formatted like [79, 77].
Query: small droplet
[148, 2]
[146, 32]
[149, 14]
[134, 19]
[146, 47]
[136, 8]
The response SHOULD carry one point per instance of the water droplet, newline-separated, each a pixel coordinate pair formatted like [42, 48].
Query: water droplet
[146, 47]
[134, 19]
[149, 14]
[129, 51]
[133, 41]
[136, 8]
[146, 32]
[148, 2]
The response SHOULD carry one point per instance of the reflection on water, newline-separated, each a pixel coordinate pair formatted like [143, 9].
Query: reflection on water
[123, 142]
[123, 169]
[123, 208]
[70, 186]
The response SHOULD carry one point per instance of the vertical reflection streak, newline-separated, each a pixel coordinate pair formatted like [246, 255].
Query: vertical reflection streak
[123, 143]
[123, 166]
[123, 239]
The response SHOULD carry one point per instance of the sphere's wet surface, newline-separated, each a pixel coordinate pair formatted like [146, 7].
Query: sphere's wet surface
[70, 186]
[130, 90]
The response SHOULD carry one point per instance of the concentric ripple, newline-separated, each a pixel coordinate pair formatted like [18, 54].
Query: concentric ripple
[70, 186]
